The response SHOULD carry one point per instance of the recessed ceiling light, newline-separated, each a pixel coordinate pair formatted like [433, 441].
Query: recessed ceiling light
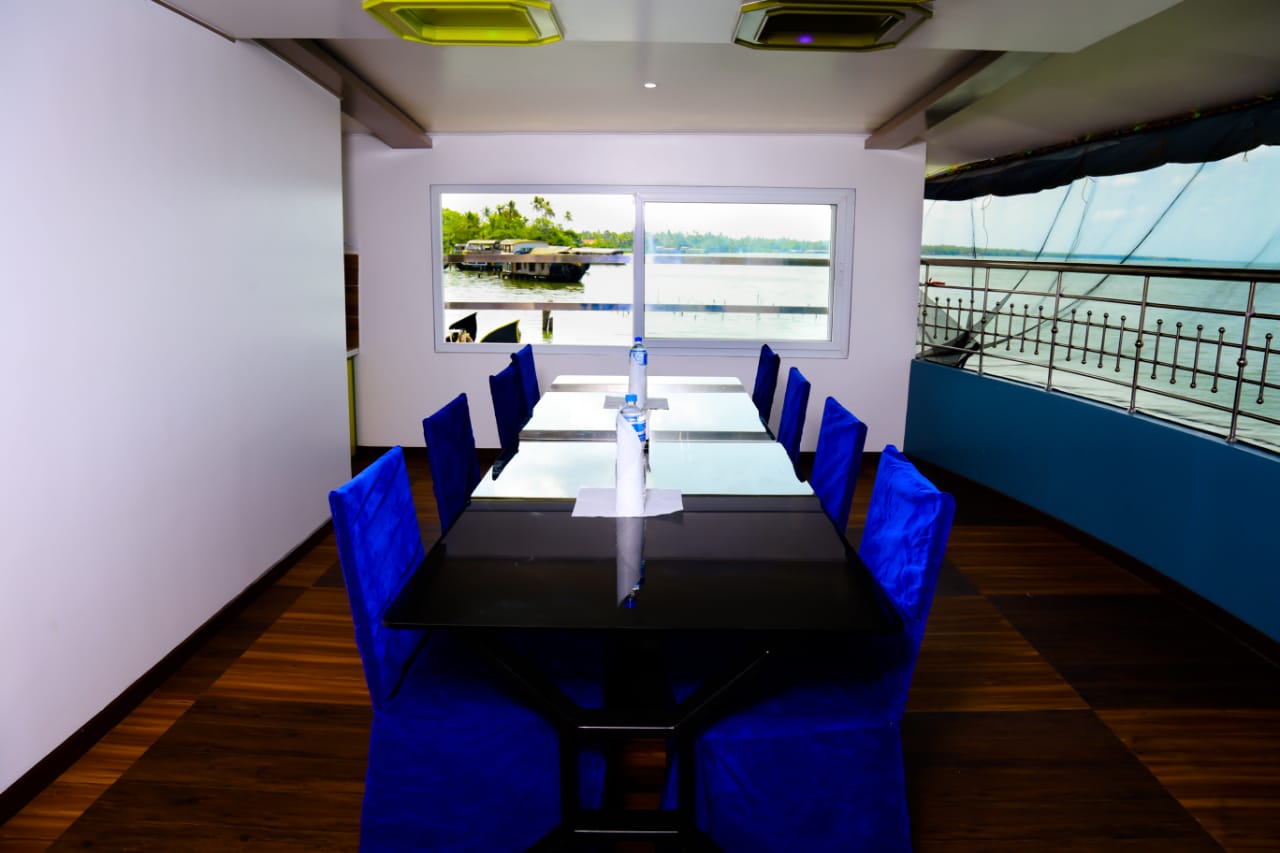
[651, 85]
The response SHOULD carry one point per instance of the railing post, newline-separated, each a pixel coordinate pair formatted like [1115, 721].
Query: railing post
[1137, 345]
[1241, 362]
[986, 292]
[1053, 332]
[924, 307]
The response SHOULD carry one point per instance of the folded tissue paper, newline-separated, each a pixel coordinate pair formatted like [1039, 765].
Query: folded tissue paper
[629, 473]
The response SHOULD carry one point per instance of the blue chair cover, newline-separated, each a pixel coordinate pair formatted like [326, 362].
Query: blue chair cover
[908, 523]
[379, 544]
[812, 759]
[451, 452]
[455, 762]
[508, 408]
[837, 461]
[794, 404]
[766, 382]
[523, 360]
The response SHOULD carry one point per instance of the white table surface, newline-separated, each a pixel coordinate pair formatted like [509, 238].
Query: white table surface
[573, 413]
[657, 385]
[557, 469]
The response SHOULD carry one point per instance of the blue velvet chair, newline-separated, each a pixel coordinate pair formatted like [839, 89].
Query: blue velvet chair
[455, 761]
[766, 382]
[837, 461]
[508, 409]
[523, 360]
[451, 452]
[791, 423]
[811, 758]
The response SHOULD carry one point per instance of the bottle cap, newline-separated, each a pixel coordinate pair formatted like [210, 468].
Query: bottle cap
[630, 398]
[638, 339]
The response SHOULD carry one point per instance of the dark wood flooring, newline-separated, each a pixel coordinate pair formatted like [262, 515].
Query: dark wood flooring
[1060, 703]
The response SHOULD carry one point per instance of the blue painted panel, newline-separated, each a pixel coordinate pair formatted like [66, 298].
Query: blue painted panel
[1203, 512]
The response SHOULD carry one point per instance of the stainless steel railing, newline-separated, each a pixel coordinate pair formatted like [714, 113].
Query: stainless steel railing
[1192, 345]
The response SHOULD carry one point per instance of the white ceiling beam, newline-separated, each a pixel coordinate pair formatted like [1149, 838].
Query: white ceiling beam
[360, 101]
[986, 72]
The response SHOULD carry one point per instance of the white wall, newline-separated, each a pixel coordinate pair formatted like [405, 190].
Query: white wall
[400, 378]
[174, 396]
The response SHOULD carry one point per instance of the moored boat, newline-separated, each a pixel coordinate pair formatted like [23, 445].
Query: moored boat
[478, 247]
[549, 270]
[518, 246]
[463, 331]
[508, 333]
[560, 270]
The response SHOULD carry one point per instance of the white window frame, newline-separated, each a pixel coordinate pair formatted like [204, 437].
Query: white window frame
[842, 200]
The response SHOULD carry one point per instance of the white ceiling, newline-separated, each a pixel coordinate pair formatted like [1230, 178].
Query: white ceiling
[1106, 64]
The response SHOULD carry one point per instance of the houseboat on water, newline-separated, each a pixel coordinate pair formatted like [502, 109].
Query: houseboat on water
[530, 259]
[546, 263]
[520, 246]
[477, 247]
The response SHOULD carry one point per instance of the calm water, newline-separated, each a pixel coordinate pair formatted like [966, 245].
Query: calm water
[694, 285]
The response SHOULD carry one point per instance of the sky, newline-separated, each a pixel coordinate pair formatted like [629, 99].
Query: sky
[603, 212]
[1225, 212]
[592, 212]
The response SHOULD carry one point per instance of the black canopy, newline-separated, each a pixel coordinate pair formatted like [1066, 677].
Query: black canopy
[1197, 138]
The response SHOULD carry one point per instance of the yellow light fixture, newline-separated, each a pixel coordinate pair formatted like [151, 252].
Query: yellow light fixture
[479, 22]
[829, 24]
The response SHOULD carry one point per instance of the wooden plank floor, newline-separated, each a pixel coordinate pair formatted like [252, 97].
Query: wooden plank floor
[1059, 703]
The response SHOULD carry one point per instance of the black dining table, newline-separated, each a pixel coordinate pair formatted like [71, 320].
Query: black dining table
[769, 574]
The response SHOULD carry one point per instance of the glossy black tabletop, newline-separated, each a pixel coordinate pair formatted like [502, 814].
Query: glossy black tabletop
[759, 564]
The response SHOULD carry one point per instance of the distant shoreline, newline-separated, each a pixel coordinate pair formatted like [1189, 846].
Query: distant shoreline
[1027, 254]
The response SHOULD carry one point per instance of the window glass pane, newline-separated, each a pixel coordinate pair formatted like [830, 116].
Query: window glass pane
[552, 268]
[738, 271]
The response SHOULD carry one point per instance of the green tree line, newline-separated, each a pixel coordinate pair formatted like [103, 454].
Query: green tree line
[719, 244]
[507, 222]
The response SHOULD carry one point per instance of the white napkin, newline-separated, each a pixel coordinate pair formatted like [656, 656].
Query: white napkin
[628, 497]
[603, 503]
[630, 557]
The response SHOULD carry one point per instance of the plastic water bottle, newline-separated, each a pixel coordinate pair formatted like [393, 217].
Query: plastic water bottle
[637, 383]
[634, 415]
[629, 471]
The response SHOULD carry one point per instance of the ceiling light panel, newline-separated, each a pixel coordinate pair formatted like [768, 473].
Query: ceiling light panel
[469, 22]
[829, 24]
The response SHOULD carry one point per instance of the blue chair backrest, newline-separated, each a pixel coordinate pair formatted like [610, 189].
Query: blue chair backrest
[794, 404]
[451, 452]
[908, 523]
[379, 545]
[508, 408]
[523, 360]
[766, 381]
[837, 461]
